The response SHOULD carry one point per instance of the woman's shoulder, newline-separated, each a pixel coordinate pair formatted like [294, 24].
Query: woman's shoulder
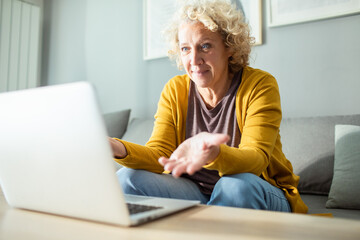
[255, 80]
[252, 77]
[254, 73]
[180, 80]
[178, 83]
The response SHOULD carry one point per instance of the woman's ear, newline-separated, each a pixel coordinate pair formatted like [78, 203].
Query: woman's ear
[229, 51]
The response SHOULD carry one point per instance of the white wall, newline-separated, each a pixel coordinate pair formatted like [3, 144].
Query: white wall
[113, 45]
[99, 42]
[316, 63]
[63, 42]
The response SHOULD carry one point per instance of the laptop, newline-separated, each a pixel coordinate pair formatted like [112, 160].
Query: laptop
[55, 158]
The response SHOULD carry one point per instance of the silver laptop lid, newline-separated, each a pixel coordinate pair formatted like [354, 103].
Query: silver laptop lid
[51, 141]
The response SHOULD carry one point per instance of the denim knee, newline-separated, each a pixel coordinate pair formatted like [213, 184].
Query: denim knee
[129, 180]
[238, 190]
[247, 190]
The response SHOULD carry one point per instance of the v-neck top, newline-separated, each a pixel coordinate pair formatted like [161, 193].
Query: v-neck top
[220, 119]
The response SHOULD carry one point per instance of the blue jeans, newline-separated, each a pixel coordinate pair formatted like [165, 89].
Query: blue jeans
[244, 190]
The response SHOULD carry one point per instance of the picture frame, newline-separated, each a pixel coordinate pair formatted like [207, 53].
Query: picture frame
[284, 12]
[252, 10]
[156, 13]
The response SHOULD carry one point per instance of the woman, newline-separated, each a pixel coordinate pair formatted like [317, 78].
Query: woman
[217, 126]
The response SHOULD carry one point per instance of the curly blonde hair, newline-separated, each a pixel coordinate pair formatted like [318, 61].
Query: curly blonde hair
[217, 16]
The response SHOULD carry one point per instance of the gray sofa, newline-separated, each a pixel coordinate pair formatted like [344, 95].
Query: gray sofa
[309, 143]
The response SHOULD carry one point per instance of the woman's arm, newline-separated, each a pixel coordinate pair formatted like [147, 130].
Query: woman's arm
[167, 131]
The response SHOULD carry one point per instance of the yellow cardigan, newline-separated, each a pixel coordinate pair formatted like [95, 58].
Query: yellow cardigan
[258, 112]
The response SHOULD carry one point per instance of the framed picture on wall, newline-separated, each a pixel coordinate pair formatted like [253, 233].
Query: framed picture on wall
[285, 12]
[158, 12]
[252, 10]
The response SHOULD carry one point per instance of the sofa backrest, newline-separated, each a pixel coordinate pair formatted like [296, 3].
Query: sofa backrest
[139, 130]
[309, 145]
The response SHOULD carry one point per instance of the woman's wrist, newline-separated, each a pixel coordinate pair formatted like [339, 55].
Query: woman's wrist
[122, 153]
[119, 149]
[216, 152]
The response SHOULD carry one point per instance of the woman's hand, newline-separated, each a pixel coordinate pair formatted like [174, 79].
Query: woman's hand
[118, 148]
[194, 153]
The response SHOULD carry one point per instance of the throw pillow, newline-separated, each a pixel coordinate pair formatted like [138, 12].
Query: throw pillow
[345, 190]
[117, 122]
[309, 144]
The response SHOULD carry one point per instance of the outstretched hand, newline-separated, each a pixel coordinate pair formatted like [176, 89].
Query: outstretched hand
[194, 153]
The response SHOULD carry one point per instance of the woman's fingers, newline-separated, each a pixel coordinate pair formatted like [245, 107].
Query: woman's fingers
[194, 153]
[179, 169]
[169, 164]
[163, 160]
[216, 139]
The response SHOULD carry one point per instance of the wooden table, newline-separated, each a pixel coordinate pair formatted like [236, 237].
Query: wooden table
[202, 222]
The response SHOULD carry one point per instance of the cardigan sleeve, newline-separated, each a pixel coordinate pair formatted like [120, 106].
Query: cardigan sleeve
[166, 134]
[258, 112]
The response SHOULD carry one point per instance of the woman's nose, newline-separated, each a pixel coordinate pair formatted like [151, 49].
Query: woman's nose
[196, 58]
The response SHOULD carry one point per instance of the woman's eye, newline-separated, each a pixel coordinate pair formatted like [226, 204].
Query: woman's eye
[184, 49]
[205, 46]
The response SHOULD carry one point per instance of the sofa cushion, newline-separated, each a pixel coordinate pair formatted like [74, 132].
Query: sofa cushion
[308, 143]
[116, 122]
[345, 190]
[316, 204]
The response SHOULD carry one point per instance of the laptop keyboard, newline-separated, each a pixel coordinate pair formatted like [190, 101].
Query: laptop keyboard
[138, 208]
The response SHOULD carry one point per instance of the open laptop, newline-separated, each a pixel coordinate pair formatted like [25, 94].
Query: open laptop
[55, 158]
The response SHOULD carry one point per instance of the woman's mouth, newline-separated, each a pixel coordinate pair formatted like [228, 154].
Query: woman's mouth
[198, 72]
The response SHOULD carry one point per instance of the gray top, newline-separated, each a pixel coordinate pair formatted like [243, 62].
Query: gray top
[220, 119]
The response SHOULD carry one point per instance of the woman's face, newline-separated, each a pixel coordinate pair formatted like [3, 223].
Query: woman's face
[203, 55]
